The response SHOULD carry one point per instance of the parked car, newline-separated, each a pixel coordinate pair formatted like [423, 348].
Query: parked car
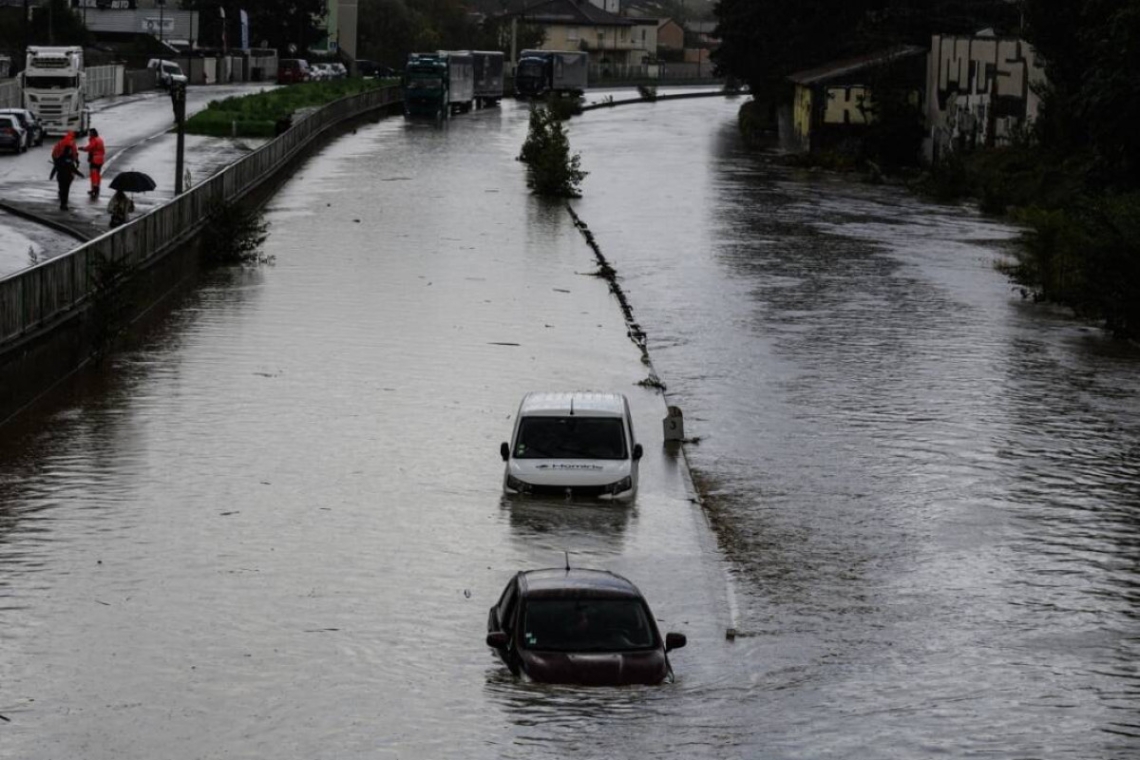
[12, 135]
[292, 70]
[339, 70]
[166, 72]
[580, 443]
[31, 124]
[576, 626]
[320, 72]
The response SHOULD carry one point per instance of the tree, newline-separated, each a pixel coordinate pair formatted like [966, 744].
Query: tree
[551, 170]
[280, 22]
[55, 23]
[1091, 50]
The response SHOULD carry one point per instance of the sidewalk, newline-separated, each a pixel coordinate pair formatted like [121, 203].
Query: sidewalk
[136, 130]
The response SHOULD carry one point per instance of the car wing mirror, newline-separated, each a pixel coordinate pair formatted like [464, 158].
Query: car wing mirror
[637, 451]
[498, 640]
[672, 641]
[505, 451]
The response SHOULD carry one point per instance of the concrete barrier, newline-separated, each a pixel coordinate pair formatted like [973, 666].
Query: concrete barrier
[40, 306]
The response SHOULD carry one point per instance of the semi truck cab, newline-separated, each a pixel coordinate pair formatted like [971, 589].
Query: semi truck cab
[54, 83]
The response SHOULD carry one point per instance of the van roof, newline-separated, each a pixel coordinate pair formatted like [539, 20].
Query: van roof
[580, 402]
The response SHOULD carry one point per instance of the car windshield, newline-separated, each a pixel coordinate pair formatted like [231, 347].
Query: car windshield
[570, 438]
[586, 625]
[531, 69]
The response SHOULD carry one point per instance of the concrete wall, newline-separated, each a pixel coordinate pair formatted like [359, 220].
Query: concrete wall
[980, 91]
[104, 81]
[10, 94]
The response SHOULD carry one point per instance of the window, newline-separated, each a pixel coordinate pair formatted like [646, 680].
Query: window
[586, 625]
[570, 438]
[572, 34]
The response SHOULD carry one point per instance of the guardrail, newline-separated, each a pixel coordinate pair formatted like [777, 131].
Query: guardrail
[34, 298]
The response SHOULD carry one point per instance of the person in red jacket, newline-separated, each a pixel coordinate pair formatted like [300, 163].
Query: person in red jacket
[64, 166]
[95, 155]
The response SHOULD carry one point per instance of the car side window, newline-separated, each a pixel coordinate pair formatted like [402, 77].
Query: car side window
[507, 607]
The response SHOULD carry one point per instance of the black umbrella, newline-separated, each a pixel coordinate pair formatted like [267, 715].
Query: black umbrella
[132, 182]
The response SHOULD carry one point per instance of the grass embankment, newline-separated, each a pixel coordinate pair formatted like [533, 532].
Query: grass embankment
[257, 115]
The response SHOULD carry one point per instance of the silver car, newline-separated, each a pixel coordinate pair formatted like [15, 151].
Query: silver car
[32, 127]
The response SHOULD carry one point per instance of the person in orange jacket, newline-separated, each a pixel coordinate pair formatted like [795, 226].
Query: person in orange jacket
[95, 155]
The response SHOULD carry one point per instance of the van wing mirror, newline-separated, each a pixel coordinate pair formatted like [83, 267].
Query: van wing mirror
[672, 641]
[497, 640]
[505, 451]
[637, 451]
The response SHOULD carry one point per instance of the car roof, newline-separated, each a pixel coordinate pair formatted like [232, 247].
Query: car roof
[578, 402]
[559, 582]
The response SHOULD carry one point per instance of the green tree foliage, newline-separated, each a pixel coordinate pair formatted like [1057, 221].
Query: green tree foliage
[551, 170]
[280, 23]
[1091, 50]
[55, 23]
[390, 29]
[763, 41]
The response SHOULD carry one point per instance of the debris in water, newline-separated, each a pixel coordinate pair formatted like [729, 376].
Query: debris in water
[730, 634]
[497, 343]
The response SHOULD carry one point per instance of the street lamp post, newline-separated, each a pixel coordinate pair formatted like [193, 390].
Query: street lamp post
[178, 100]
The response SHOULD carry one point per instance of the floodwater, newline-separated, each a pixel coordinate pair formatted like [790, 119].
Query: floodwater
[274, 526]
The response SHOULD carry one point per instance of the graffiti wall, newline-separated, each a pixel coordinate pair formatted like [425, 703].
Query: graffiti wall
[980, 91]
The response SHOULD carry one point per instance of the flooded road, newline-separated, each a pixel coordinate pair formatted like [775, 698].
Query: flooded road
[274, 527]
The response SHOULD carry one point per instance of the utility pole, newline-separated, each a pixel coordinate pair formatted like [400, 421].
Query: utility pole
[161, 21]
[178, 100]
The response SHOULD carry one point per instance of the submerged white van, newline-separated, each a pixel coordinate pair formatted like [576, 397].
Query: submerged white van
[579, 443]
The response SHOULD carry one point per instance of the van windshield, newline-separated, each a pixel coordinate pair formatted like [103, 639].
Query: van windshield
[570, 438]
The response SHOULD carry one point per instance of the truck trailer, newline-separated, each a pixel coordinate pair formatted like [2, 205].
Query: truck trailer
[551, 71]
[488, 77]
[460, 79]
[54, 86]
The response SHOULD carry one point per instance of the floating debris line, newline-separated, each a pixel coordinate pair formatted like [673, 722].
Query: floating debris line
[609, 274]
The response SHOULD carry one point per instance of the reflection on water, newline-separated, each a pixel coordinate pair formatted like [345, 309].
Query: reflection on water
[927, 488]
[275, 525]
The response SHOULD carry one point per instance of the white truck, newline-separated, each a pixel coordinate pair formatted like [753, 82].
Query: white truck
[54, 89]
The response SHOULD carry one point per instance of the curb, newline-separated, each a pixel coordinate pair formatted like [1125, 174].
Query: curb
[45, 221]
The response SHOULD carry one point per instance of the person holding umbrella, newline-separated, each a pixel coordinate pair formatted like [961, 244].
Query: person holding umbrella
[121, 206]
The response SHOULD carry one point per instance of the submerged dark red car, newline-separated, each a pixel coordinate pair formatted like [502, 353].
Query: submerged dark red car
[574, 626]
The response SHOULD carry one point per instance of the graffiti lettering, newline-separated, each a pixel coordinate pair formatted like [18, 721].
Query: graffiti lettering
[982, 91]
[847, 105]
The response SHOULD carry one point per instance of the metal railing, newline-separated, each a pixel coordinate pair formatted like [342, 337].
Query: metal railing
[103, 81]
[34, 298]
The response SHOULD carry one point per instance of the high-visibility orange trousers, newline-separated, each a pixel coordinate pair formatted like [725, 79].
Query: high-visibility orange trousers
[96, 177]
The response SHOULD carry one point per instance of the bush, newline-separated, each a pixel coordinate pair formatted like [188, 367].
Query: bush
[256, 115]
[551, 170]
[564, 106]
[233, 237]
[1086, 257]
